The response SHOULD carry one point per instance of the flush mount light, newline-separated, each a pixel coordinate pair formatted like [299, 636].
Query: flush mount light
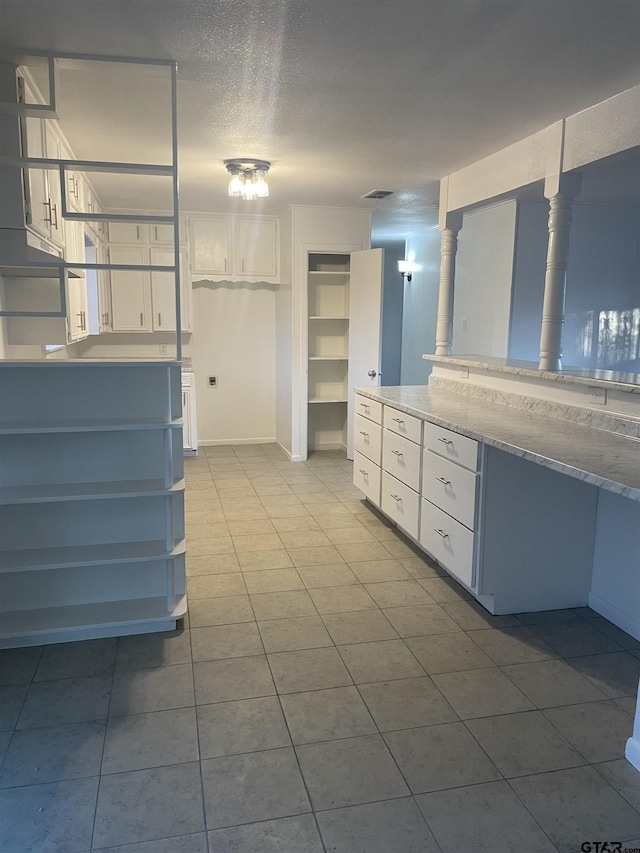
[248, 178]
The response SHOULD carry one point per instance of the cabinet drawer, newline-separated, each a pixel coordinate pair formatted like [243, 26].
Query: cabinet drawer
[405, 425]
[368, 439]
[366, 476]
[451, 445]
[401, 458]
[448, 541]
[450, 487]
[400, 503]
[369, 409]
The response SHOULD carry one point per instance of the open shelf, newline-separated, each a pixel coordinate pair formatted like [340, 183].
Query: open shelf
[49, 493]
[72, 556]
[328, 400]
[87, 425]
[103, 619]
[328, 358]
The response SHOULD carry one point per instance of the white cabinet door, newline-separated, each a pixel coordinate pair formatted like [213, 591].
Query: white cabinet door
[365, 326]
[186, 420]
[130, 291]
[38, 216]
[256, 248]
[127, 232]
[211, 246]
[163, 292]
[77, 309]
[162, 232]
[53, 147]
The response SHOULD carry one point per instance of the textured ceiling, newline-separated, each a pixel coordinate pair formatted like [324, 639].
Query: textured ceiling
[343, 96]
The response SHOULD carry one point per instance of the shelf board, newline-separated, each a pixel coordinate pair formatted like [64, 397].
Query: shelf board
[327, 317]
[328, 358]
[328, 400]
[328, 272]
[87, 425]
[56, 492]
[118, 614]
[74, 556]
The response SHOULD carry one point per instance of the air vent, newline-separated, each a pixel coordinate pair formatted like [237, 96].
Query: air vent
[378, 194]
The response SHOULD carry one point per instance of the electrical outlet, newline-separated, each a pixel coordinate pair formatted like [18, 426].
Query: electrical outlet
[163, 349]
[598, 395]
[213, 381]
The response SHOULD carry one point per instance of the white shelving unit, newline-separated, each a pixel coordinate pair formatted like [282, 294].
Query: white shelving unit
[91, 509]
[91, 457]
[328, 349]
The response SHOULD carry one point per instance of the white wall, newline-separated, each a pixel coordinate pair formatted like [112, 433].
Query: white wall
[420, 306]
[484, 272]
[234, 340]
[283, 333]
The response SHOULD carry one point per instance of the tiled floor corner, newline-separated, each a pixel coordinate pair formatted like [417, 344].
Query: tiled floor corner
[331, 690]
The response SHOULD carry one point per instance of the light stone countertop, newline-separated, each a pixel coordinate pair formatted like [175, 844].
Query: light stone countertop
[604, 459]
[611, 379]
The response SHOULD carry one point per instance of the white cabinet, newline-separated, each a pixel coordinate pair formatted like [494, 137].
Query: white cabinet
[44, 202]
[256, 248]
[91, 501]
[234, 248]
[142, 300]
[77, 309]
[450, 488]
[130, 290]
[163, 296]
[159, 233]
[190, 427]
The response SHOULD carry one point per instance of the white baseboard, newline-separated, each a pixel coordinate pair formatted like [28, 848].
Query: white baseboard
[623, 620]
[219, 442]
[288, 453]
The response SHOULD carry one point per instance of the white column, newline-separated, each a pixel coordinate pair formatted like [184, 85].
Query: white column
[555, 282]
[448, 249]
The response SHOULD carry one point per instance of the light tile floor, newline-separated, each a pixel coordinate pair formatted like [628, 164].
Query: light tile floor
[332, 690]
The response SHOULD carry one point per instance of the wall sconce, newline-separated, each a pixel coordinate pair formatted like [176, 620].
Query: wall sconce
[406, 268]
[248, 178]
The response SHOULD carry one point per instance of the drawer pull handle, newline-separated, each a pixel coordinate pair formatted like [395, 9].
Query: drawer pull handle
[445, 440]
[364, 406]
[398, 420]
[442, 480]
[397, 453]
[441, 533]
[365, 434]
[364, 473]
[397, 498]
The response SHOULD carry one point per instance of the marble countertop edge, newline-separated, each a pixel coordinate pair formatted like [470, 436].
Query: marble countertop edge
[604, 459]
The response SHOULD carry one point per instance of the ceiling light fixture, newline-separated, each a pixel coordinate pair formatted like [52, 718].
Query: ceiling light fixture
[248, 178]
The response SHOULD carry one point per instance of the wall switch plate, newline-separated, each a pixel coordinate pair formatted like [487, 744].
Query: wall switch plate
[213, 381]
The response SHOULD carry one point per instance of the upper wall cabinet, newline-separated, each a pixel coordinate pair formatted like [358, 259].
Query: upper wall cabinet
[235, 248]
[136, 232]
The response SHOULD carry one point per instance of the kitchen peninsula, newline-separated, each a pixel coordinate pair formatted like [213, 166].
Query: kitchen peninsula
[527, 487]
